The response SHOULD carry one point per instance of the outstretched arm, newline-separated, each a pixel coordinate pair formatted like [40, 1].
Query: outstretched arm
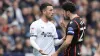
[66, 43]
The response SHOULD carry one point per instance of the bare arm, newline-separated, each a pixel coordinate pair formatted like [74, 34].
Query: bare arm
[65, 44]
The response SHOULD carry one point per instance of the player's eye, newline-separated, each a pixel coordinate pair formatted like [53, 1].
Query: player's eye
[51, 10]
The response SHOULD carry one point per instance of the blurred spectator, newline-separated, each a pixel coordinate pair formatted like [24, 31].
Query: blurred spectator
[29, 10]
[98, 51]
[9, 48]
[1, 51]
[82, 7]
[30, 20]
[94, 19]
[95, 4]
[1, 28]
[19, 40]
[4, 42]
[10, 19]
[17, 31]
[25, 14]
[57, 15]
[98, 25]
[5, 24]
[43, 1]
[26, 3]
[10, 36]
[61, 1]
[1, 7]
[98, 36]
[94, 45]
[89, 46]
[16, 13]
[18, 48]
[90, 31]
[23, 32]
[28, 48]
[55, 2]
[6, 4]
[36, 12]
[86, 48]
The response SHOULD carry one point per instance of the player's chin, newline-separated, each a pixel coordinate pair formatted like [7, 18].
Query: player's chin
[50, 18]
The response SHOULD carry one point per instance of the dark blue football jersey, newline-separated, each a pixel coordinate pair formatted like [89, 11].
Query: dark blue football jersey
[75, 27]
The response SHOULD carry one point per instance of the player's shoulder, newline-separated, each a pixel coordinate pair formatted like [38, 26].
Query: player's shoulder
[75, 21]
[51, 24]
[35, 23]
[72, 22]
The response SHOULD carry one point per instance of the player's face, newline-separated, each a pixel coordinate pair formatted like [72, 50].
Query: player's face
[49, 12]
[66, 14]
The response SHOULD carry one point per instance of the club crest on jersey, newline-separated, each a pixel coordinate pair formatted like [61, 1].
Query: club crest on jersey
[32, 30]
[70, 29]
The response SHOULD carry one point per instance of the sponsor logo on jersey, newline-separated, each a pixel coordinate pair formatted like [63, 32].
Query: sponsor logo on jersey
[48, 34]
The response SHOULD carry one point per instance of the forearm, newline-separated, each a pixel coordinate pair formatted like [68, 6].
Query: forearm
[33, 43]
[62, 47]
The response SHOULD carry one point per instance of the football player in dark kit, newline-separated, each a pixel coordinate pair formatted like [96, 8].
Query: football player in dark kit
[74, 32]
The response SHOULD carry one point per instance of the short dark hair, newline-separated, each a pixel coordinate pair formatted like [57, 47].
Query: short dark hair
[69, 6]
[44, 5]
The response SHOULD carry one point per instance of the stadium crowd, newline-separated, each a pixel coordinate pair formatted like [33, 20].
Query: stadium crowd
[16, 17]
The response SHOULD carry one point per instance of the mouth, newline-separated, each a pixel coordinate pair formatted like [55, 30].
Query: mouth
[52, 15]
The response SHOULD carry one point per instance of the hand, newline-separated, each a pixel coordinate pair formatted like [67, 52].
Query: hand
[63, 26]
[64, 38]
[62, 23]
[55, 54]
[41, 51]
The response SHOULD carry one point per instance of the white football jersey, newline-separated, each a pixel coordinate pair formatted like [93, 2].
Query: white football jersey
[44, 34]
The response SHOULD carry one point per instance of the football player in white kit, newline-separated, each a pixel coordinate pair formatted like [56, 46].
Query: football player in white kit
[43, 33]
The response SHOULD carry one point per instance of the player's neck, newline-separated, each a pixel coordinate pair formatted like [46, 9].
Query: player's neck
[44, 19]
[72, 16]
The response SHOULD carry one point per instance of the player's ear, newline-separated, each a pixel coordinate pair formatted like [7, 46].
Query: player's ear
[44, 11]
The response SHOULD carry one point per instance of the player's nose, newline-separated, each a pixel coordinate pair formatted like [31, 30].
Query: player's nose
[52, 12]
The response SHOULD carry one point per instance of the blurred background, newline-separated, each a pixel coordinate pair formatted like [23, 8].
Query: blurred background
[17, 15]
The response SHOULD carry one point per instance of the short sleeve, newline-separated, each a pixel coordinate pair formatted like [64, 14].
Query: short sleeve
[33, 30]
[72, 26]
